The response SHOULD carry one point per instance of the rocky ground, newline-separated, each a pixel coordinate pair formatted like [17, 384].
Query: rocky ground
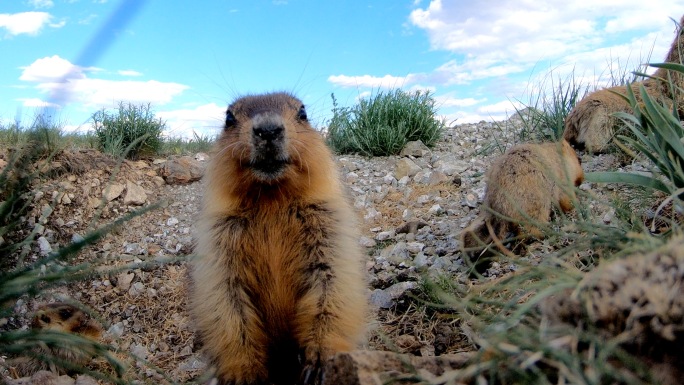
[412, 208]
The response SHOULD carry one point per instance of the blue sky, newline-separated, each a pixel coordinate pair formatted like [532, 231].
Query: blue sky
[190, 59]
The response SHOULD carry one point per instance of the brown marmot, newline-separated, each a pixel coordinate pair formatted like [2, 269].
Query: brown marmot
[523, 185]
[65, 318]
[591, 123]
[278, 282]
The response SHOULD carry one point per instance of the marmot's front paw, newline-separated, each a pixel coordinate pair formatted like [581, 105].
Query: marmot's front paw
[314, 359]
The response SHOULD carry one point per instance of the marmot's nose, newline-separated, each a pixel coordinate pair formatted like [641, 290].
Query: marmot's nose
[268, 131]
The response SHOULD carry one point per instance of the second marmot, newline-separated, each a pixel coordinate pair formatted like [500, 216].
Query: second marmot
[523, 186]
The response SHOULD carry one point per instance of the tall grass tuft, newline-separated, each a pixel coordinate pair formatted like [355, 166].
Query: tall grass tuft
[383, 123]
[131, 123]
[544, 115]
[181, 146]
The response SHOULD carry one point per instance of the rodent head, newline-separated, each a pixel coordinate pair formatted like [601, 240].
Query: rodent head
[64, 318]
[261, 131]
[575, 166]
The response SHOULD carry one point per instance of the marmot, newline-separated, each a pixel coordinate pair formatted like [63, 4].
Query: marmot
[523, 185]
[65, 318]
[278, 283]
[591, 123]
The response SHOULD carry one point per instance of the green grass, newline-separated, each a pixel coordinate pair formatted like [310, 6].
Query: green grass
[549, 104]
[52, 139]
[133, 131]
[383, 123]
[181, 146]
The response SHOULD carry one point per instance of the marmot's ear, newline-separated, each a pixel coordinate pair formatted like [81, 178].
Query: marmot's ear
[230, 120]
[301, 114]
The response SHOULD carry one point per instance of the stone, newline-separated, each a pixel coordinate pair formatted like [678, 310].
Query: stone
[415, 247]
[124, 280]
[135, 195]
[112, 191]
[43, 377]
[82, 379]
[415, 148]
[386, 298]
[470, 200]
[351, 177]
[367, 367]
[406, 167]
[44, 245]
[116, 330]
[183, 170]
[411, 227]
[367, 242]
[451, 167]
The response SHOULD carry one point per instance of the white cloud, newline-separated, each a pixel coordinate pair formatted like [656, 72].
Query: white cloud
[501, 38]
[129, 73]
[29, 23]
[35, 102]
[65, 82]
[505, 107]
[387, 81]
[205, 120]
[445, 101]
[52, 69]
[41, 3]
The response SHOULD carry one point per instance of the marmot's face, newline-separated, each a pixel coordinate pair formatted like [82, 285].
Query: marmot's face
[261, 132]
[58, 316]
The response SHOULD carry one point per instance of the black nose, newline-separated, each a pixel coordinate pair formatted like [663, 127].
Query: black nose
[268, 131]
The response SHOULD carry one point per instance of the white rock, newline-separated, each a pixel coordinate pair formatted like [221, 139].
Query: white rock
[44, 245]
[112, 191]
[415, 247]
[135, 195]
[406, 167]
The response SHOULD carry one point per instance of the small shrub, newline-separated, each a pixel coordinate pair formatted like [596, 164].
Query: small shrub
[133, 126]
[382, 124]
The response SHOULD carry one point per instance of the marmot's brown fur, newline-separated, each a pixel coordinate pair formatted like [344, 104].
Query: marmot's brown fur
[523, 185]
[591, 123]
[278, 282]
[60, 317]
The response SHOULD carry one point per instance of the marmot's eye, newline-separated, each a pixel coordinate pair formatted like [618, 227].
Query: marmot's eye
[230, 120]
[65, 314]
[301, 114]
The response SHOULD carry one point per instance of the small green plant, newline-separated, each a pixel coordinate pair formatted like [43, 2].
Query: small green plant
[131, 123]
[544, 117]
[383, 123]
[180, 146]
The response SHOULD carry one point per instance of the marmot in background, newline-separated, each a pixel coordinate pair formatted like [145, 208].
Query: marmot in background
[523, 185]
[60, 317]
[591, 123]
[278, 282]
